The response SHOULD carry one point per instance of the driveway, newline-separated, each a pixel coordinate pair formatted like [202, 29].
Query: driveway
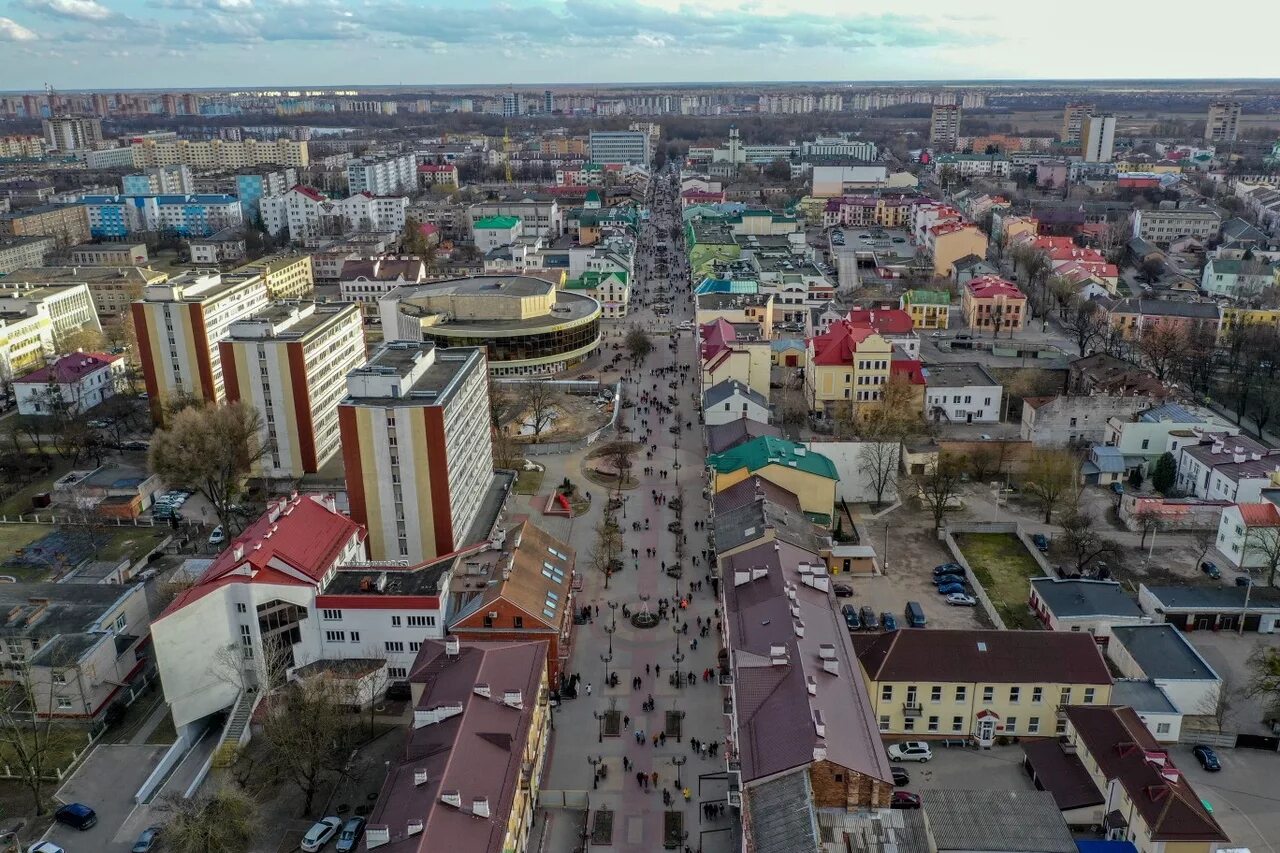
[965, 769]
[1228, 653]
[106, 780]
[1243, 795]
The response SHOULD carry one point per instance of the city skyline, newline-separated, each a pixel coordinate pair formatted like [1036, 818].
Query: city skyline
[74, 44]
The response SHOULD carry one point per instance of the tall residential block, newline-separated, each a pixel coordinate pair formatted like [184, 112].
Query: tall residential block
[944, 125]
[1098, 137]
[290, 362]
[219, 154]
[620, 146]
[287, 276]
[416, 448]
[162, 180]
[72, 133]
[1224, 121]
[1073, 120]
[383, 175]
[179, 324]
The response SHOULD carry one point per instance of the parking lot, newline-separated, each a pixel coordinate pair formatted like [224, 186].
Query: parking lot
[963, 768]
[106, 782]
[1228, 653]
[891, 594]
[1243, 794]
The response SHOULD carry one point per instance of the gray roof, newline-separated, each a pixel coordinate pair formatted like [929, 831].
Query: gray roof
[1212, 598]
[1169, 308]
[722, 437]
[751, 521]
[782, 815]
[721, 391]
[1141, 695]
[1069, 598]
[1022, 821]
[1162, 652]
[1169, 412]
[958, 374]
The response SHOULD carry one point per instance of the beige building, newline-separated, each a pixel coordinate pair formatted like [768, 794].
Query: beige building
[68, 224]
[286, 276]
[178, 325]
[1073, 121]
[19, 252]
[109, 255]
[1223, 124]
[290, 362]
[112, 289]
[219, 154]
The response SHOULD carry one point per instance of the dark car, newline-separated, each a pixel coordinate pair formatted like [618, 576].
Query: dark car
[904, 800]
[943, 580]
[77, 815]
[951, 589]
[148, 840]
[869, 620]
[1211, 569]
[1118, 488]
[888, 622]
[900, 776]
[850, 617]
[1207, 757]
[1041, 543]
[842, 590]
[1244, 580]
[948, 569]
[350, 834]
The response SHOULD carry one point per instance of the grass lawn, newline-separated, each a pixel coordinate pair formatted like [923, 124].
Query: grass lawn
[164, 733]
[131, 542]
[19, 503]
[63, 742]
[528, 482]
[1004, 567]
[15, 536]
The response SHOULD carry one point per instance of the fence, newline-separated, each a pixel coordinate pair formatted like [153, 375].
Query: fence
[978, 592]
[549, 799]
[59, 773]
[556, 448]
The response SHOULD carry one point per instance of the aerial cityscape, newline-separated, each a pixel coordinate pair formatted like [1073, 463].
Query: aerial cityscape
[784, 430]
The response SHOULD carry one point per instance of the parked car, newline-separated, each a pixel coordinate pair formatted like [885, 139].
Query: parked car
[76, 815]
[97, 424]
[218, 536]
[350, 835]
[842, 590]
[960, 599]
[1207, 757]
[911, 750]
[850, 617]
[943, 580]
[1118, 488]
[136, 445]
[900, 776]
[45, 847]
[951, 589]
[320, 833]
[1211, 569]
[948, 569]
[888, 622]
[904, 800]
[1244, 580]
[869, 620]
[148, 840]
[1041, 543]
[915, 615]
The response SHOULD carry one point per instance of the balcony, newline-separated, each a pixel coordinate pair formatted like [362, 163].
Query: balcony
[912, 709]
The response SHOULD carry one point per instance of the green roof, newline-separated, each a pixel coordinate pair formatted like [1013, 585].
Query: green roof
[927, 297]
[503, 222]
[767, 450]
[591, 279]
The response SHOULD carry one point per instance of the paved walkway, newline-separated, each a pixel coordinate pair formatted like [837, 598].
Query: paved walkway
[650, 655]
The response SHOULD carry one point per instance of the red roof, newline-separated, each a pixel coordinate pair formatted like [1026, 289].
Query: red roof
[296, 541]
[839, 344]
[1260, 515]
[908, 367]
[717, 335]
[888, 321]
[991, 286]
[314, 195]
[69, 369]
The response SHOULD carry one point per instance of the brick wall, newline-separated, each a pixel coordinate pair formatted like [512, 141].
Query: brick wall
[841, 788]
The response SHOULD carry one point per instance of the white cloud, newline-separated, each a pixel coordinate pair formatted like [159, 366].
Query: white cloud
[11, 30]
[82, 10]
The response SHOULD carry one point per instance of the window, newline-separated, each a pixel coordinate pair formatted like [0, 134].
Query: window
[397, 672]
[1015, 694]
[395, 621]
[331, 615]
[1146, 442]
[394, 646]
[933, 724]
[884, 722]
[1011, 725]
[909, 724]
[988, 695]
[59, 677]
[241, 607]
[886, 693]
[355, 636]
[121, 622]
[1033, 725]
[64, 703]
[414, 646]
[416, 621]
[335, 636]
[957, 724]
[962, 693]
[1037, 695]
[1064, 698]
[1060, 728]
[1162, 728]
[1088, 696]
[935, 693]
[1073, 422]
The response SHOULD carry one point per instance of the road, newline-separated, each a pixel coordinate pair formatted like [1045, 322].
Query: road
[669, 464]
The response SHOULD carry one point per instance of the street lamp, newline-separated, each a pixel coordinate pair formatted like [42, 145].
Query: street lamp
[606, 659]
[679, 761]
[677, 658]
[595, 763]
[609, 629]
[600, 716]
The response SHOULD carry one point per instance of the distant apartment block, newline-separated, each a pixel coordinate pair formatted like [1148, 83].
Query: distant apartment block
[1097, 138]
[620, 146]
[19, 252]
[1164, 225]
[162, 180]
[117, 216]
[1223, 124]
[287, 276]
[1073, 121]
[219, 154]
[383, 176]
[67, 224]
[305, 213]
[944, 125]
[72, 133]
[290, 362]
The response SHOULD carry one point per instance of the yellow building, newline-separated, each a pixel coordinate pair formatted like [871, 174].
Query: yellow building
[929, 309]
[747, 363]
[988, 302]
[219, 154]
[981, 684]
[848, 369]
[738, 308]
[286, 276]
[1013, 227]
[948, 242]
[1233, 317]
[810, 476]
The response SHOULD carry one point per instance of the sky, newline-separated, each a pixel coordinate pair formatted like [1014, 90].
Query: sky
[171, 44]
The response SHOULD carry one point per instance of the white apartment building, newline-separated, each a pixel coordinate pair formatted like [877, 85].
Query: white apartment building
[19, 252]
[64, 308]
[961, 392]
[1246, 532]
[179, 325]
[82, 380]
[219, 154]
[162, 180]
[1098, 137]
[944, 125]
[290, 362]
[305, 213]
[366, 280]
[383, 176]
[72, 133]
[1163, 225]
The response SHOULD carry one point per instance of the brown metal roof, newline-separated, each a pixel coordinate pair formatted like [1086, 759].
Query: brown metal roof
[1001, 657]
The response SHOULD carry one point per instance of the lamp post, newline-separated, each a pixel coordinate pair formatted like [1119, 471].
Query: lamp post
[595, 763]
[677, 658]
[679, 761]
[606, 659]
[609, 629]
[884, 560]
[599, 715]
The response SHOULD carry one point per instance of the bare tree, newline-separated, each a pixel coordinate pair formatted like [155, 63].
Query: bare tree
[1149, 521]
[1203, 540]
[540, 401]
[1262, 544]
[1264, 678]
[27, 735]
[880, 464]
[1162, 345]
[211, 449]
[1222, 706]
[1082, 540]
[223, 820]
[1049, 476]
[607, 547]
[639, 345]
[939, 485]
[1085, 322]
[316, 750]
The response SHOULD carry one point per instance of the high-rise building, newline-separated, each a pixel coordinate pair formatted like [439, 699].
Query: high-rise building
[72, 133]
[1073, 117]
[944, 126]
[416, 447]
[1224, 121]
[620, 146]
[513, 104]
[167, 180]
[1097, 138]
[179, 325]
[115, 216]
[383, 176]
[290, 362]
[219, 154]
[548, 102]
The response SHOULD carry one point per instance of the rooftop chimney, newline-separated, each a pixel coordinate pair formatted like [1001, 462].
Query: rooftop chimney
[452, 646]
[451, 798]
[480, 807]
[420, 776]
